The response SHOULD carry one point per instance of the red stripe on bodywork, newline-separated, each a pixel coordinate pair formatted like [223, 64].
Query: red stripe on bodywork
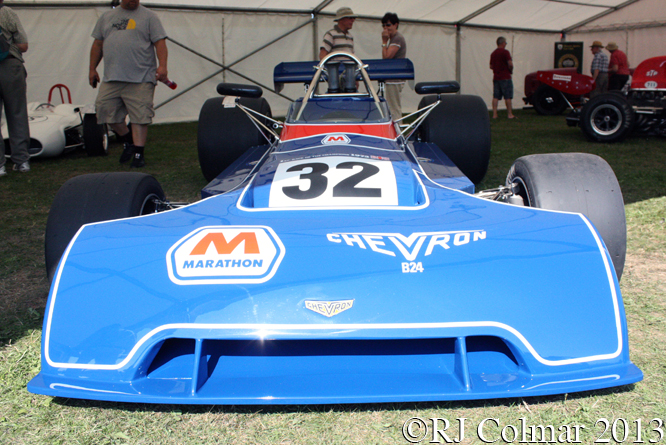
[301, 131]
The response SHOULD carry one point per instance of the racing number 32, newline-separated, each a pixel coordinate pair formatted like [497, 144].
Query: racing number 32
[334, 181]
[346, 187]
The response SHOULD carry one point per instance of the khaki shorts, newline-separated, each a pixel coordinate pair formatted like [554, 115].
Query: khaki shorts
[116, 100]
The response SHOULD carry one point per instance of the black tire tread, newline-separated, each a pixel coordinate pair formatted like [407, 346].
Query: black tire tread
[460, 127]
[92, 198]
[580, 183]
[612, 98]
[224, 134]
[543, 91]
[93, 135]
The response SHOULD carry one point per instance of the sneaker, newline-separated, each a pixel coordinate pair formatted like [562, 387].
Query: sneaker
[128, 152]
[138, 161]
[3, 171]
[23, 168]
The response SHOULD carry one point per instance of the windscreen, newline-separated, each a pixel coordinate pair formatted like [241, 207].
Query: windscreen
[339, 110]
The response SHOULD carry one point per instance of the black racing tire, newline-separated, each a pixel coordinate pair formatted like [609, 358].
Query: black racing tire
[580, 183]
[548, 101]
[95, 136]
[607, 118]
[92, 198]
[224, 134]
[460, 127]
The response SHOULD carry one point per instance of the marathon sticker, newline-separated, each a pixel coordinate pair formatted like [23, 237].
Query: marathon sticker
[335, 139]
[225, 255]
[561, 77]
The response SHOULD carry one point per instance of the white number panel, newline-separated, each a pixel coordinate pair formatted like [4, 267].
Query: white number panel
[334, 181]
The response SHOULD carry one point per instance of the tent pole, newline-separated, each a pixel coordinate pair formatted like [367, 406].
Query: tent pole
[191, 87]
[228, 67]
[315, 29]
[458, 54]
[315, 36]
[224, 53]
[593, 18]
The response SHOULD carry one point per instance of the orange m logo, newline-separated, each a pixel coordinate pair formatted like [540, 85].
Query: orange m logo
[223, 247]
[335, 139]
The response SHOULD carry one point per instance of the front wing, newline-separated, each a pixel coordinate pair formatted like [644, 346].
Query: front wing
[459, 298]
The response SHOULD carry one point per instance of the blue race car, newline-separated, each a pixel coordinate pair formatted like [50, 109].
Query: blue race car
[346, 259]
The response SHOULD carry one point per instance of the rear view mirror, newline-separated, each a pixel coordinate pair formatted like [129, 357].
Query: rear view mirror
[448, 86]
[240, 90]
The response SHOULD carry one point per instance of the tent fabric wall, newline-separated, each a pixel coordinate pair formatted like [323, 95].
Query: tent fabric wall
[60, 44]
[631, 41]
[226, 38]
[59, 48]
[530, 52]
[432, 49]
[639, 30]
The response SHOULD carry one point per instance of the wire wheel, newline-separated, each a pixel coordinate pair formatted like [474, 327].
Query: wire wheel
[606, 119]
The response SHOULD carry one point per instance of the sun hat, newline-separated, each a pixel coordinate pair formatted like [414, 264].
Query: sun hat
[612, 46]
[597, 43]
[343, 12]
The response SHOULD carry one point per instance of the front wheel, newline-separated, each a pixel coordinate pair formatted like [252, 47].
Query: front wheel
[579, 183]
[92, 198]
[548, 101]
[607, 118]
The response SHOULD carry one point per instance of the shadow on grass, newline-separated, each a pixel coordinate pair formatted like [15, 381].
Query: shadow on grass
[639, 162]
[16, 325]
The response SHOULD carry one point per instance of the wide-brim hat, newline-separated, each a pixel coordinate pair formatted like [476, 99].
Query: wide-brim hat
[597, 44]
[612, 46]
[343, 12]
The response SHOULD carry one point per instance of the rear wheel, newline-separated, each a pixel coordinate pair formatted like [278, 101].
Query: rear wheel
[548, 101]
[580, 183]
[224, 134]
[92, 198]
[607, 118]
[460, 127]
[95, 136]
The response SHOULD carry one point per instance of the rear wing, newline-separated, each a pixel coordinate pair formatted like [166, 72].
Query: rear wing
[377, 69]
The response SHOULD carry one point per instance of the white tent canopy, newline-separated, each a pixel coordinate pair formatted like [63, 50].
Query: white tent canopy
[241, 41]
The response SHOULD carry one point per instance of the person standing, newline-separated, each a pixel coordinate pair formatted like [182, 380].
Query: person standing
[394, 46]
[132, 42]
[618, 67]
[13, 92]
[339, 38]
[599, 69]
[502, 65]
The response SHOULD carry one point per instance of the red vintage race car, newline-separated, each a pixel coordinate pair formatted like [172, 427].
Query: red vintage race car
[609, 117]
[553, 91]
[612, 116]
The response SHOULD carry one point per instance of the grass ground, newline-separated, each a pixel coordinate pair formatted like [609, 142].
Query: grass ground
[640, 164]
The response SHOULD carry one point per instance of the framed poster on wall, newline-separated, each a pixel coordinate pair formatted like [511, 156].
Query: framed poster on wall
[569, 55]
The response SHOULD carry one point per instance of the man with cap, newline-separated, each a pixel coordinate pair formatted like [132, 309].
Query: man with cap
[618, 67]
[599, 69]
[339, 38]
